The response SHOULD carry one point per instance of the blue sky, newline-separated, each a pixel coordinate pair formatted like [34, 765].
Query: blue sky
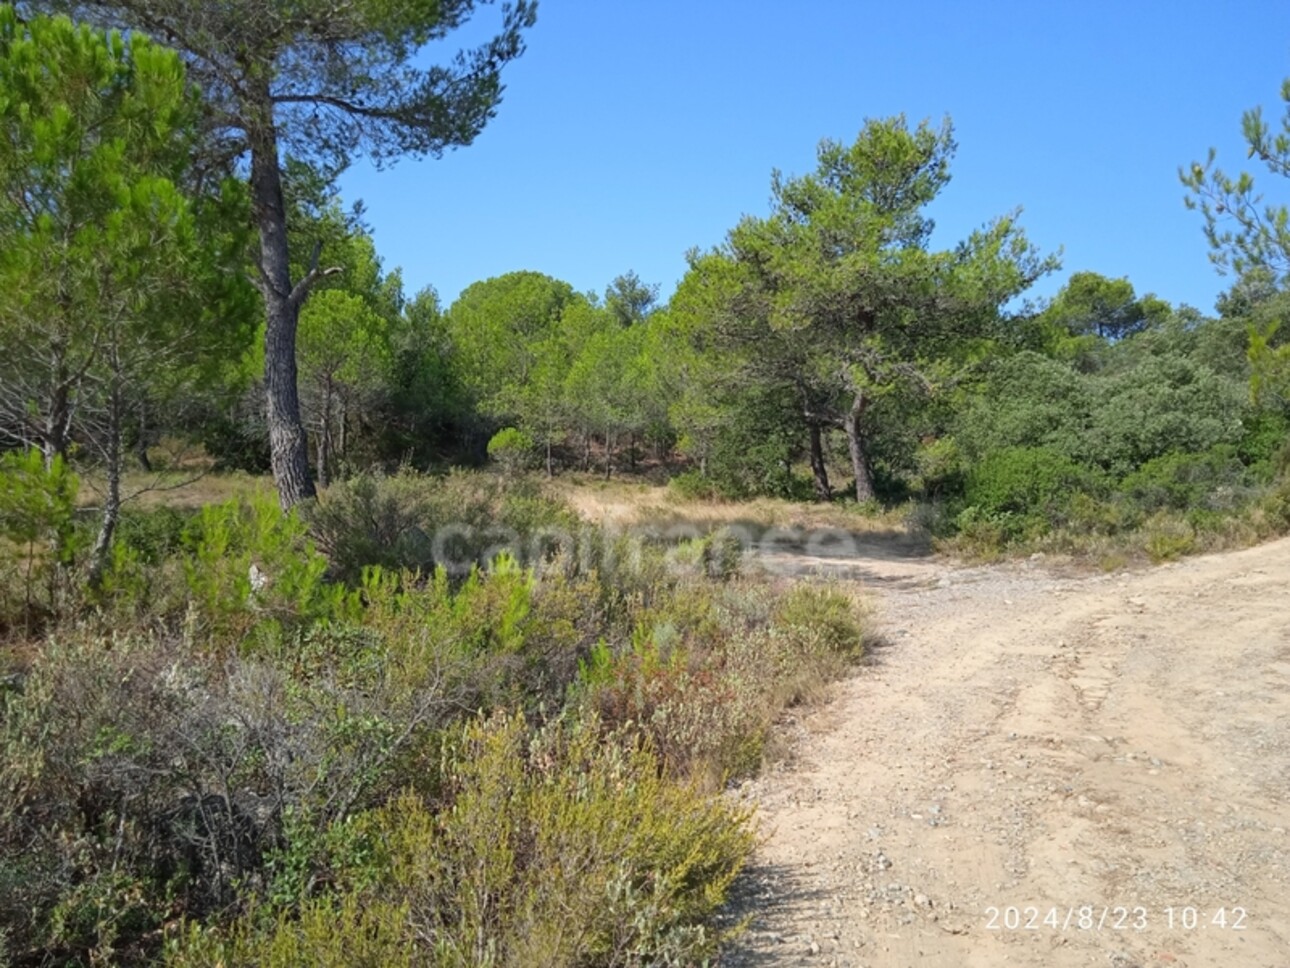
[633, 131]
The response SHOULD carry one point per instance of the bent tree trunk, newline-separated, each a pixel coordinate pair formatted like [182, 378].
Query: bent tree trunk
[856, 444]
[823, 490]
[288, 445]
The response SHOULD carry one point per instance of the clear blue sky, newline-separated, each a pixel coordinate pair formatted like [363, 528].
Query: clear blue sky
[633, 131]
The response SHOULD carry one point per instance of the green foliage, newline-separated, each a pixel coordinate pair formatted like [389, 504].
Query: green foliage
[349, 931]
[37, 517]
[824, 619]
[1244, 233]
[1091, 304]
[1270, 364]
[835, 302]
[1023, 487]
[562, 849]
[247, 561]
[154, 534]
[692, 485]
[37, 499]
[1180, 481]
[495, 327]
[1164, 403]
[105, 264]
[414, 522]
[512, 449]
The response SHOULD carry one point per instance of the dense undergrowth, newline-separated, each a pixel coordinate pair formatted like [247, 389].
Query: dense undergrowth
[1026, 500]
[326, 739]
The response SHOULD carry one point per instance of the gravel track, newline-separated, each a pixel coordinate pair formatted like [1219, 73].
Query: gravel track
[1028, 753]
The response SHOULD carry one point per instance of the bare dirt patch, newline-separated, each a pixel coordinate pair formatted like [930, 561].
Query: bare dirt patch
[1030, 753]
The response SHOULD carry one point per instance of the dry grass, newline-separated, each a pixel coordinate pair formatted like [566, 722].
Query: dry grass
[637, 504]
[185, 489]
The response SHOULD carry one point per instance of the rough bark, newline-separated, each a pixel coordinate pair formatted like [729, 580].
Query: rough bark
[56, 434]
[851, 423]
[288, 444]
[823, 490]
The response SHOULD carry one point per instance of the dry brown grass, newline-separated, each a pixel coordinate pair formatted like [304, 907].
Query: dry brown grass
[637, 504]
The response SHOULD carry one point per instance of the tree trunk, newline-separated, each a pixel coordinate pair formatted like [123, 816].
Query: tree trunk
[343, 447]
[823, 490]
[288, 444]
[324, 436]
[609, 455]
[57, 431]
[856, 444]
[141, 444]
[102, 551]
[550, 463]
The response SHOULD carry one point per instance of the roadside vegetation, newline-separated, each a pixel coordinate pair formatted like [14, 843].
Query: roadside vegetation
[342, 627]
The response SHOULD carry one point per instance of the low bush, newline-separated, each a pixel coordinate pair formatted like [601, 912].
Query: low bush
[516, 764]
[512, 449]
[1215, 479]
[411, 521]
[1018, 484]
[558, 849]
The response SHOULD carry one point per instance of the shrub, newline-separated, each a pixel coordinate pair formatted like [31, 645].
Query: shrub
[37, 514]
[154, 534]
[563, 849]
[512, 449]
[1024, 487]
[823, 620]
[694, 486]
[415, 522]
[1181, 481]
[248, 561]
[328, 932]
[1167, 538]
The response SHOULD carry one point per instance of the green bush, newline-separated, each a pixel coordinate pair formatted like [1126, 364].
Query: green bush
[416, 522]
[1184, 481]
[247, 561]
[1024, 488]
[694, 486]
[37, 516]
[823, 619]
[155, 534]
[512, 449]
[564, 849]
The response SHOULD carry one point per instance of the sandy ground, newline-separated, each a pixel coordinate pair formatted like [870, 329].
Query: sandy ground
[1039, 770]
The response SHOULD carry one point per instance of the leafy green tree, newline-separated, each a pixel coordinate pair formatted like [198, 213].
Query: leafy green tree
[1246, 234]
[608, 385]
[323, 82]
[837, 298]
[629, 299]
[499, 328]
[697, 371]
[344, 354]
[427, 401]
[113, 283]
[1092, 304]
[1251, 238]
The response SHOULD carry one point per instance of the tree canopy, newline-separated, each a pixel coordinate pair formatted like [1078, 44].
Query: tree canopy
[322, 81]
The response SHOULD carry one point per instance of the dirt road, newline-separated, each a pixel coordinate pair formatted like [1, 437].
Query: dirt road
[1029, 755]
